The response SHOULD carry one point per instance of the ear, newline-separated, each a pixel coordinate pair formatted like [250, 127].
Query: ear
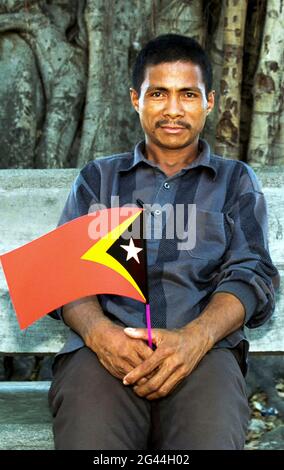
[210, 101]
[134, 99]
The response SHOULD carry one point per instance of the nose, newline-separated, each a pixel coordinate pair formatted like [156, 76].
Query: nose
[173, 108]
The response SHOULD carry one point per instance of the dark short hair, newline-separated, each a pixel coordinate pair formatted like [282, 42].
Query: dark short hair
[172, 48]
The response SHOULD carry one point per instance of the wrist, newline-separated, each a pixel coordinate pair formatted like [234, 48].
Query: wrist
[200, 327]
[206, 330]
[92, 333]
[223, 315]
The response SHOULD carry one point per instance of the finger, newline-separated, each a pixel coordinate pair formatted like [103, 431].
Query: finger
[130, 353]
[143, 350]
[134, 359]
[117, 370]
[142, 333]
[131, 363]
[145, 379]
[142, 381]
[145, 368]
[157, 381]
[168, 386]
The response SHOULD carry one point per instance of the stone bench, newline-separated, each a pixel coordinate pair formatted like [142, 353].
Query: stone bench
[30, 204]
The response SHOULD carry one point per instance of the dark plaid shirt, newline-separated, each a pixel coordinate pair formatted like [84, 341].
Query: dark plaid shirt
[231, 252]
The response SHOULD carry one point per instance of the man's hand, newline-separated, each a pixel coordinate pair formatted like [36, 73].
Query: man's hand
[178, 353]
[118, 353]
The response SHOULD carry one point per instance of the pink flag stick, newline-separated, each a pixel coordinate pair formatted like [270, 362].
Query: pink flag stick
[148, 321]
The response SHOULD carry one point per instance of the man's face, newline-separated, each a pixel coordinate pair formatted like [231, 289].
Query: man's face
[172, 105]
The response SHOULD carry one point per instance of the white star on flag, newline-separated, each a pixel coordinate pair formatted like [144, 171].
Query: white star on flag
[132, 251]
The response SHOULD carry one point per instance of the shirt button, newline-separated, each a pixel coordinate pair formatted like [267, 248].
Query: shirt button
[157, 212]
[166, 186]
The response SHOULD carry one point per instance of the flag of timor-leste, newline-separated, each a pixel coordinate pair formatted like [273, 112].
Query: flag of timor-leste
[99, 253]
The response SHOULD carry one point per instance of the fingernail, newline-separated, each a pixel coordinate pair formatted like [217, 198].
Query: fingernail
[125, 382]
[132, 331]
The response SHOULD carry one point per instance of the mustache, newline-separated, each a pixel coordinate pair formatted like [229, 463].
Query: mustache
[176, 123]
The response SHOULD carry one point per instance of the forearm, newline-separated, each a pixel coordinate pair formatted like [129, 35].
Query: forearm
[223, 315]
[84, 316]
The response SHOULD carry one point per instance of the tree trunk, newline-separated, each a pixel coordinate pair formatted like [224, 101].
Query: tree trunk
[227, 132]
[267, 91]
[278, 145]
[253, 36]
[180, 17]
[22, 103]
[214, 47]
[60, 76]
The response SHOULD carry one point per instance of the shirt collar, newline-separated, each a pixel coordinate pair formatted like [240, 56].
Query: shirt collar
[204, 158]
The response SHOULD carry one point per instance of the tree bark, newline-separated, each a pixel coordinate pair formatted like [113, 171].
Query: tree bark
[22, 103]
[180, 17]
[278, 144]
[253, 36]
[227, 131]
[60, 77]
[214, 47]
[267, 90]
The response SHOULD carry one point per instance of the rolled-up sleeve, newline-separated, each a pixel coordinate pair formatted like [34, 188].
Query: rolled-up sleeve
[247, 270]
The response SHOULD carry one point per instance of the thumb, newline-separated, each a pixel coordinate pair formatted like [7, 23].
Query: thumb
[140, 333]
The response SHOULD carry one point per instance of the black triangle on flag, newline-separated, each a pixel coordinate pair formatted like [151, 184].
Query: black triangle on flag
[130, 251]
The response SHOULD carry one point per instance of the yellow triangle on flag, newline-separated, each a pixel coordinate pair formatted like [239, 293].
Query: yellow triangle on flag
[98, 252]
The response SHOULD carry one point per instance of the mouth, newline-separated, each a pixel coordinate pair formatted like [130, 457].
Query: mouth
[172, 130]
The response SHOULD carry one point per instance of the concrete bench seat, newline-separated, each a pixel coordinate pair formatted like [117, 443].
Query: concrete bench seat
[25, 419]
[31, 202]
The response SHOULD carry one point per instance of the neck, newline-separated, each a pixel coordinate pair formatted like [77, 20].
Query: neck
[171, 161]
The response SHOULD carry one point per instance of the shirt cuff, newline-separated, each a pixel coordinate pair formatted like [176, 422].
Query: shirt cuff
[57, 314]
[244, 293]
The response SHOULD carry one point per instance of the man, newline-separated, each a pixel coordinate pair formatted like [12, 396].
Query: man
[110, 390]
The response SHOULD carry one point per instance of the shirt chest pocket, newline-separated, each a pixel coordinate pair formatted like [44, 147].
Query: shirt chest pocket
[210, 240]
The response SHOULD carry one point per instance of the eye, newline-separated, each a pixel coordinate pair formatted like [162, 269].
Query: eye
[156, 94]
[189, 94]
